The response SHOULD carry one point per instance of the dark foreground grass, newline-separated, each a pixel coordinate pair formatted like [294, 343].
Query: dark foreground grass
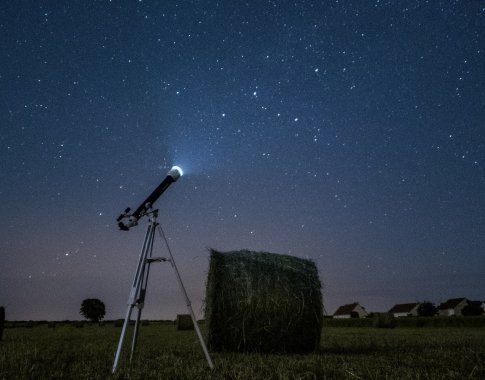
[66, 352]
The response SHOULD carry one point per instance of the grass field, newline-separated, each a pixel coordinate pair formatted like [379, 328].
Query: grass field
[67, 352]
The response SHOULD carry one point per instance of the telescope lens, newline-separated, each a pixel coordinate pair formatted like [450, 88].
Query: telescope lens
[175, 172]
[179, 169]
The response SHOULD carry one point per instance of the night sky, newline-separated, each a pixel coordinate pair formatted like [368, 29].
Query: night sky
[348, 132]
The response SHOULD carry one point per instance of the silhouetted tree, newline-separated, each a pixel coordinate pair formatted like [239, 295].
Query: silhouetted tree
[427, 309]
[93, 309]
[473, 308]
[2, 320]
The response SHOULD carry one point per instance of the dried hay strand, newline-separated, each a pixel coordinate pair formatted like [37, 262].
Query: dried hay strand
[263, 302]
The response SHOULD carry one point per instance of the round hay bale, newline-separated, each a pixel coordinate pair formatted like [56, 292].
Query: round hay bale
[263, 302]
[184, 322]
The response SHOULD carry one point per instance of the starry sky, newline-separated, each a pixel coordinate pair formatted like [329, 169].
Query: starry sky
[348, 132]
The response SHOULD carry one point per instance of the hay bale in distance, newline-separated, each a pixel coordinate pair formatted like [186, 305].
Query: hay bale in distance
[384, 321]
[184, 322]
[263, 302]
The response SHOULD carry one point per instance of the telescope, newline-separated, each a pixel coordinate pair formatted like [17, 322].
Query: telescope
[138, 290]
[127, 220]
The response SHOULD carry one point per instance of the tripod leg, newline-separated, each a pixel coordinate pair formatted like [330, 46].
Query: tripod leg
[187, 301]
[122, 337]
[199, 334]
[135, 334]
[144, 282]
[135, 289]
[140, 305]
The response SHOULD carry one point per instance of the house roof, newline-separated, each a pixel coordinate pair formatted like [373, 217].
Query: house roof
[346, 309]
[403, 307]
[476, 303]
[451, 303]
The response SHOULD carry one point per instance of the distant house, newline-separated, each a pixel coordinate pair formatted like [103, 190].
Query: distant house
[405, 310]
[353, 310]
[452, 307]
[477, 307]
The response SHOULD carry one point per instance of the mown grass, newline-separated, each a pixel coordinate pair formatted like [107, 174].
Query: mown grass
[66, 352]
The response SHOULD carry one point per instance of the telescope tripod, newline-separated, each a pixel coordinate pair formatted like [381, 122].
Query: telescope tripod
[138, 289]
